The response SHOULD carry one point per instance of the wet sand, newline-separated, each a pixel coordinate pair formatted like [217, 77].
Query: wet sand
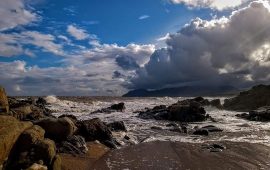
[175, 155]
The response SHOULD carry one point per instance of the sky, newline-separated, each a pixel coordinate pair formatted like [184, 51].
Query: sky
[100, 48]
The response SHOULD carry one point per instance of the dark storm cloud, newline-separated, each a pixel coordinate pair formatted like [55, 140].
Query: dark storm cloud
[126, 62]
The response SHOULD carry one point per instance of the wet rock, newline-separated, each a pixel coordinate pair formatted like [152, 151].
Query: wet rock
[118, 107]
[256, 97]
[202, 132]
[216, 103]
[156, 128]
[212, 128]
[41, 101]
[10, 130]
[117, 126]
[214, 147]
[95, 129]
[73, 145]
[4, 106]
[191, 112]
[262, 114]
[57, 129]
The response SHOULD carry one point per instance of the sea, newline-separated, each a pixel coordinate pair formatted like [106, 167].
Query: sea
[140, 130]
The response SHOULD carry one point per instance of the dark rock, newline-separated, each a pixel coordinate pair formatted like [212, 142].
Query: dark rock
[73, 145]
[126, 137]
[95, 129]
[214, 147]
[156, 128]
[256, 97]
[212, 128]
[183, 111]
[117, 126]
[262, 114]
[216, 103]
[160, 107]
[243, 115]
[41, 101]
[57, 129]
[191, 112]
[202, 132]
[118, 107]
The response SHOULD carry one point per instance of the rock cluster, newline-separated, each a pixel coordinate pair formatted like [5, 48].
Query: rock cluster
[190, 110]
[31, 138]
[262, 114]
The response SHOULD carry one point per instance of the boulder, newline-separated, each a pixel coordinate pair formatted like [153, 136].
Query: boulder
[212, 128]
[184, 111]
[10, 130]
[216, 103]
[45, 150]
[117, 126]
[95, 129]
[202, 132]
[57, 129]
[192, 112]
[256, 97]
[4, 106]
[118, 107]
[262, 114]
[30, 137]
[73, 145]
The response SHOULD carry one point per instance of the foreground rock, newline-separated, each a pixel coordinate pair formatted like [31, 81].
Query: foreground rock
[176, 155]
[95, 129]
[4, 106]
[84, 162]
[252, 99]
[57, 129]
[183, 111]
[10, 130]
[262, 114]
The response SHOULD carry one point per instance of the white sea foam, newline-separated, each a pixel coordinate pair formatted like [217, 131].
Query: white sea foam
[235, 129]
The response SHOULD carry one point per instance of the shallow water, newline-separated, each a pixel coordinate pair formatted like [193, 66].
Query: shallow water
[235, 129]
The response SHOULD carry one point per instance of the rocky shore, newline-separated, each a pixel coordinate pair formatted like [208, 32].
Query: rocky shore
[32, 138]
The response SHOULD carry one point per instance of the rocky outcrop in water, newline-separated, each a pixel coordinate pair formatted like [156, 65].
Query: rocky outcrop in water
[120, 107]
[184, 111]
[117, 126]
[256, 97]
[262, 114]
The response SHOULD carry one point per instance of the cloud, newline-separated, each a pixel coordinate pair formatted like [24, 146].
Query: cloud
[14, 13]
[77, 33]
[14, 44]
[143, 17]
[99, 71]
[214, 4]
[126, 62]
[139, 53]
[232, 51]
